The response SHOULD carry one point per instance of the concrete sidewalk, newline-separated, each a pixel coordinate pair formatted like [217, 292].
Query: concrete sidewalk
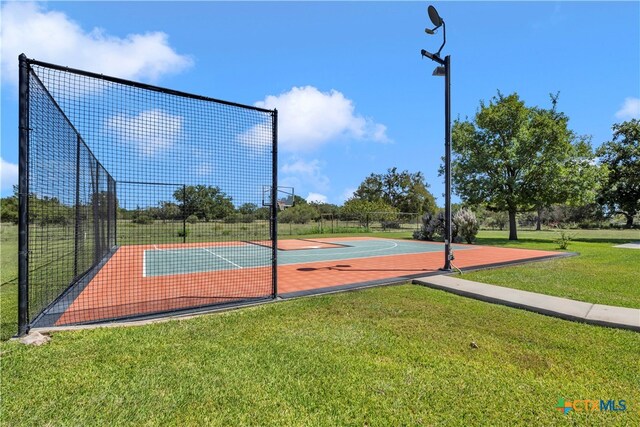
[604, 315]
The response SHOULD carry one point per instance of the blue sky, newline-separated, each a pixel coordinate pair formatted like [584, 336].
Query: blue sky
[353, 93]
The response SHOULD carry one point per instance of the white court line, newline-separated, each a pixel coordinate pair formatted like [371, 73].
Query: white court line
[144, 263]
[366, 251]
[221, 257]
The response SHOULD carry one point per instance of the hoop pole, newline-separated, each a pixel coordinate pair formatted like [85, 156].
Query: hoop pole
[23, 197]
[274, 204]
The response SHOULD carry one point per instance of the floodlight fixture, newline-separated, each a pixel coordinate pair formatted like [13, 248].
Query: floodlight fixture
[439, 72]
[434, 16]
[430, 31]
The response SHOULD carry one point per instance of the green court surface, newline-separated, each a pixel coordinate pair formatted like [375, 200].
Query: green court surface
[164, 262]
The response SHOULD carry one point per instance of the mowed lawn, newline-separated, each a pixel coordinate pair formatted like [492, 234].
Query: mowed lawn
[385, 356]
[600, 273]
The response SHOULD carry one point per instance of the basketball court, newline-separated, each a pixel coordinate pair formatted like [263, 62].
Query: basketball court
[141, 280]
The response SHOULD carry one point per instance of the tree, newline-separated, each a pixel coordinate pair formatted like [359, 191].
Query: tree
[364, 210]
[9, 207]
[298, 214]
[405, 191]
[248, 208]
[326, 208]
[206, 202]
[297, 200]
[169, 211]
[564, 171]
[514, 158]
[620, 192]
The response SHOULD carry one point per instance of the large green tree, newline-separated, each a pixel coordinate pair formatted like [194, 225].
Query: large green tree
[405, 191]
[206, 202]
[620, 192]
[515, 158]
[564, 171]
[366, 211]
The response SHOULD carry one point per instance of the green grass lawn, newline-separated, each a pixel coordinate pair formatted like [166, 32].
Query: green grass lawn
[8, 278]
[600, 274]
[385, 356]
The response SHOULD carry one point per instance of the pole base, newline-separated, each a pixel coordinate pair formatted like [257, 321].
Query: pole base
[449, 270]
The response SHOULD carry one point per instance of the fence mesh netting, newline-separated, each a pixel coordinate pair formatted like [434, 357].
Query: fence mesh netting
[142, 200]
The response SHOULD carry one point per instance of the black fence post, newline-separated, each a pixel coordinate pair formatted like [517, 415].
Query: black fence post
[115, 214]
[96, 215]
[23, 197]
[184, 213]
[76, 231]
[274, 204]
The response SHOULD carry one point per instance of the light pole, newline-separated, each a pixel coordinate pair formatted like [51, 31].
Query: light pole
[444, 69]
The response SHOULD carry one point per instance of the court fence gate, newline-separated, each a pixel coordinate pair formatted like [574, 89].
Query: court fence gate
[137, 200]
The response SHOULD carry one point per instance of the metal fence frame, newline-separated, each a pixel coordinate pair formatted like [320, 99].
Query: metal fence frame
[102, 246]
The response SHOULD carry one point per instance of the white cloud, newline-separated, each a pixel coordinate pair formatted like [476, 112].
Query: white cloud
[8, 175]
[309, 118]
[307, 174]
[630, 109]
[347, 194]
[259, 137]
[316, 198]
[151, 131]
[306, 177]
[52, 36]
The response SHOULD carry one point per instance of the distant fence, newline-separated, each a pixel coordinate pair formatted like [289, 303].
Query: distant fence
[112, 169]
[355, 223]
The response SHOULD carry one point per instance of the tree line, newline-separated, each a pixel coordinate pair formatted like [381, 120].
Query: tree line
[514, 158]
[511, 163]
[391, 192]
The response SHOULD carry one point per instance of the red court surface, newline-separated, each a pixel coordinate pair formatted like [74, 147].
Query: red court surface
[120, 288]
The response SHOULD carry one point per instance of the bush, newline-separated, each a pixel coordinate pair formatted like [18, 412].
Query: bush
[142, 219]
[419, 235]
[390, 225]
[563, 239]
[466, 225]
[184, 233]
[233, 218]
[433, 228]
[428, 230]
[192, 219]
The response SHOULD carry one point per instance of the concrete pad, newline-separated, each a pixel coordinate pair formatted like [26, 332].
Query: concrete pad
[632, 245]
[564, 308]
[608, 315]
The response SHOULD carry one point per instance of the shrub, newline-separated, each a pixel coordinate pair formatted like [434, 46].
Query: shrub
[192, 219]
[427, 230]
[419, 235]
[563, 239]
[466, 225]
[433, 228]
[142, 219]
[184, 233]
[390, 225]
